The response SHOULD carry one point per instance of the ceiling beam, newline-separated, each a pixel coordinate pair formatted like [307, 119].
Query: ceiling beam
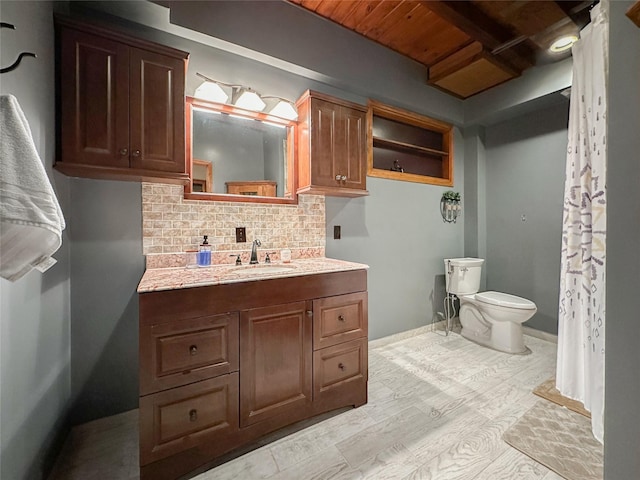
[577, 11]
[482, 28]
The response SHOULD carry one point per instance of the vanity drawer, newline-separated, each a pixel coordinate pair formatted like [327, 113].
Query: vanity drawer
[178, 353]
[339, 366]
[181, 418]
[339, 319]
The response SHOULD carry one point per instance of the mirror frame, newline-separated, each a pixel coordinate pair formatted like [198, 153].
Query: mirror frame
[292, 152]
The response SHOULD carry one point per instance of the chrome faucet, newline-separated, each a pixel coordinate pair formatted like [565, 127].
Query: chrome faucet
[254, 252]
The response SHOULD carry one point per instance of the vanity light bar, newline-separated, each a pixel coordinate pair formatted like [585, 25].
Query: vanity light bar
[243, 97]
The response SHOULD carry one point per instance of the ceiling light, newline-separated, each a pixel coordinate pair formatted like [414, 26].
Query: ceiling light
[211, 91]
[250, 100]
[284, 109]
[563, 44]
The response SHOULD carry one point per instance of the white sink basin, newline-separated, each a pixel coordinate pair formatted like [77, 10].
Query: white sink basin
[263, 269]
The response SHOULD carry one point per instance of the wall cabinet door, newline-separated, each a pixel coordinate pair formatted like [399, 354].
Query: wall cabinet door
[354, 157]
[95, 100]
[157, 111]
[275, 361]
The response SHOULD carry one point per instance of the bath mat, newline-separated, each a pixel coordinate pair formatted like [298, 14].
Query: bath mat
[549, 391]
[559, 439]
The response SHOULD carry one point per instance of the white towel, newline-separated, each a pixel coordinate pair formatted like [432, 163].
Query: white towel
[31, 221]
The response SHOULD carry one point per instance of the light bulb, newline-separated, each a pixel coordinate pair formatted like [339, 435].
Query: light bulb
[250, 100]
[284, 110]
[211, 91]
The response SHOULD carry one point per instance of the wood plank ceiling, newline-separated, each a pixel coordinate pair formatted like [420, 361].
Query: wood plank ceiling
[468, 46]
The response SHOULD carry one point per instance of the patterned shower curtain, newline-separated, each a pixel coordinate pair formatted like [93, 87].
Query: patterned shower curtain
[581, 329]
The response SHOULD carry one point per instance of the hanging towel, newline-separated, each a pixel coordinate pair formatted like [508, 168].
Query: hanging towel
[31, 221]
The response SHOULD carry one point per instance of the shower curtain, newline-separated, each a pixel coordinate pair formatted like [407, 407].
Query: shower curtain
[581, 328]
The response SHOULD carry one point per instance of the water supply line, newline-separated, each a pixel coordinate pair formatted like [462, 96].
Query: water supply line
[449, 302]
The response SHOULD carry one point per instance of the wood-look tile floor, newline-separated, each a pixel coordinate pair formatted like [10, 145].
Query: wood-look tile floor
[438, 406]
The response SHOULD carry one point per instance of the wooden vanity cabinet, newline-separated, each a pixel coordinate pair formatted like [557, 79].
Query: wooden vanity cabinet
[332, 146]
[267, 354]
[121, 106]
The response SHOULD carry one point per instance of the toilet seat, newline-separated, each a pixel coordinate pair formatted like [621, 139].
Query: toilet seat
[505, 300]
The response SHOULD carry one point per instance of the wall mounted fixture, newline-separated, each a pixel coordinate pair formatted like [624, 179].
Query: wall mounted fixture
[244, 97]
[211, 91]
[284, 108]
[450, 207]
[563, 44]
[15, 64]
[248, 99]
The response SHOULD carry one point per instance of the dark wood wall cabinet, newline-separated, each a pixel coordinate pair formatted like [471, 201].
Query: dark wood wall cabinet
[407, 146]
[221, 366]
[332, 146]
[121, 106]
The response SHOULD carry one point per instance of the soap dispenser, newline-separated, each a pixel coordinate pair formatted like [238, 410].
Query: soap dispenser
[204, 253]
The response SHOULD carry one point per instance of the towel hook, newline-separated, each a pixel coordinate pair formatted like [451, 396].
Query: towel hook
[15, 64]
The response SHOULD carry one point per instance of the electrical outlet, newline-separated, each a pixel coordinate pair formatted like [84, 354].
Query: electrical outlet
[336, 232]
[241, 234]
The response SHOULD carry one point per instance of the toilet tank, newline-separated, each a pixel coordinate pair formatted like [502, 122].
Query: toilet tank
[463, 275]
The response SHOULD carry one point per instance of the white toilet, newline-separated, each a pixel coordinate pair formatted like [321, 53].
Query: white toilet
[492, 319]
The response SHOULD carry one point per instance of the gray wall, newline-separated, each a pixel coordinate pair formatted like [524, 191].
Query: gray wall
[525, 168]
[398, 231]
[34, 311]
[622, 376]
[475, 187]
[106, 265]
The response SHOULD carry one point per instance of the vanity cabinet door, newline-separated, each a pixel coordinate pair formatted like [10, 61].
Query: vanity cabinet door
[342, 367]
[95, 100]
[179, 353]
[182, 418]
[275, 361]
[339, 319]
[332, 146]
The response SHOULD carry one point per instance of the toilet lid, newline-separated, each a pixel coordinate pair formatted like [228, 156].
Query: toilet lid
[505, 300]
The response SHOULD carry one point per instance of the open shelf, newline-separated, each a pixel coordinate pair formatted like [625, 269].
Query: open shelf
[395, 145]
[409, 147]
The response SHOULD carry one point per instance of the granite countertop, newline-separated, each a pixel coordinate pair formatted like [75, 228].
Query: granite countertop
[157, 279]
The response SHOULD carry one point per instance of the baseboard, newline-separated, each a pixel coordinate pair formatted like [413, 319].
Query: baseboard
[381, 342]
[431, 327]
[532, 332]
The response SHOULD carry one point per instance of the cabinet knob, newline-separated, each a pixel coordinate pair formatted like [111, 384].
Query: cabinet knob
[341, 366]
[309, 313]
[123, 151]
[193, 415]
[193, 349]
[338, 177]
[136, 153]
[341, 318]
[343, 177]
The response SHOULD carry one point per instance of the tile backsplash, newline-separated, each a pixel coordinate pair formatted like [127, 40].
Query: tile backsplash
[172, 225]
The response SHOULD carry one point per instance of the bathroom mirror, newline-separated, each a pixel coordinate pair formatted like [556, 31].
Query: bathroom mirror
[239, 155]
